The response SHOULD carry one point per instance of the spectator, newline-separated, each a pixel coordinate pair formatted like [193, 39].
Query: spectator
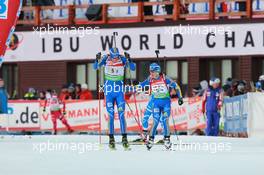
[227, 87]
[234, 88]
[241, 87]
[199, 90]
[31, 94]
[3, 98]
[195, 91]
[85, 93]
[78, 91]
[48, 94]
[212, 104]
[42, 95]
[260, 84]
[47, 14]
[71, 91]
[64, 94]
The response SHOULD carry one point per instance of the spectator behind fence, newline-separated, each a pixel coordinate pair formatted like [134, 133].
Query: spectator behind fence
[260, 84]
[42, 95]
[47, 14]
[3, 98]
[227, 87]
[64, 94]
[212, 104]
[78, 91]
[241, 87]
[200, 89]
[31, 94]
[71, 90]
[85, 93]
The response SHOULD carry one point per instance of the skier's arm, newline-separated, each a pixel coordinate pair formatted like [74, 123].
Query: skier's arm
[97, 65]
[143, 85]
[127, 62]
[172, 84]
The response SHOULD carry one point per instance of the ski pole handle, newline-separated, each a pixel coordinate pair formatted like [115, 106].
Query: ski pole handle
[98, 56]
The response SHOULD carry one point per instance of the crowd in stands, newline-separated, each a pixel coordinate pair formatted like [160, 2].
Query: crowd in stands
[68, 92]
[232, 87]
[185, 7]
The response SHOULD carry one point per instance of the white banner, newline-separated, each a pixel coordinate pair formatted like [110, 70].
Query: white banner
[84, 116]
[256, 114]
[24, 115]
[172, 41]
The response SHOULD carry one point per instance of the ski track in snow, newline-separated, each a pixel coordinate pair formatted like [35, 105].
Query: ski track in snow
[20, 155]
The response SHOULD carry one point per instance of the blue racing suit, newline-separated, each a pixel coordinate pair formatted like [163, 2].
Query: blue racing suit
[114, 88]
[161, 101]
[213, 102]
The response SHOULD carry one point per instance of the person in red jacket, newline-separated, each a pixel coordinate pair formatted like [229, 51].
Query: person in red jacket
[64, 94]
[85, 93]
[57, 110]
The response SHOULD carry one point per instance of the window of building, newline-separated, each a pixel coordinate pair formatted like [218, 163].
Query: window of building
[81, 73]
[221, 68]
[226, 70]
[257, 68]
[172, 69]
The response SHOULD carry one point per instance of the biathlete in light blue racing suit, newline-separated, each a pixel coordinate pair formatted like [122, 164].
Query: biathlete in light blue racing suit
[159, 85]
[149, 112]
[114, 69]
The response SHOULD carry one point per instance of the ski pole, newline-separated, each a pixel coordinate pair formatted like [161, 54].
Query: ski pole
[98, 57]
[137, 121]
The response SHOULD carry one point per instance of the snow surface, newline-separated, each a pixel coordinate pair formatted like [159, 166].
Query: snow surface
[21, 155]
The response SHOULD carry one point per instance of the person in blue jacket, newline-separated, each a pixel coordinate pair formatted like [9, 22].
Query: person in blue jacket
[159, 86]
[114, 70]
[3, 98]
[212, 103]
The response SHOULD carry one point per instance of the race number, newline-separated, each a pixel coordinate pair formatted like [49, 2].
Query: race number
[3, 9]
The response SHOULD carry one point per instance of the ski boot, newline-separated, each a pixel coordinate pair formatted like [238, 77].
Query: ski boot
[145, 135]
[70, 131]
[160, 142]
[125, 142]
[112, 142]
[54, 132]
[150, 143]
[167, 142]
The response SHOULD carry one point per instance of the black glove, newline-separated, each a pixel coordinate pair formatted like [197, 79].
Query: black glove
[180, 101]
[127, 55]
[98, 56]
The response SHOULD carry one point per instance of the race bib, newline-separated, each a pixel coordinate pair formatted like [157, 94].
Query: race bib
[114, 70]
